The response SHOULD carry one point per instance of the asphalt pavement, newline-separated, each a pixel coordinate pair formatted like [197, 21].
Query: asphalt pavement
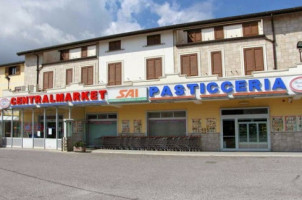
[33, 174]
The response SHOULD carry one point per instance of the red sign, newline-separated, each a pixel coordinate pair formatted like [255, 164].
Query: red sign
[60, 97]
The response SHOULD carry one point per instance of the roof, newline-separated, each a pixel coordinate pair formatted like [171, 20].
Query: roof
[163, 28]
[12, 63]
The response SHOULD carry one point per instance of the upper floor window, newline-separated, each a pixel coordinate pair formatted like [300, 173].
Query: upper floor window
[47, 80]
[250, 29]
[253, 60]
[189, 65]
[153, 39]
[154, 68]
[194, 35]
[68, 76]
[87, 75]
[115, 74]
[218, 32]
[216, 62]
[64, 55]
[13, 70]
[115, 45]
[84, 52]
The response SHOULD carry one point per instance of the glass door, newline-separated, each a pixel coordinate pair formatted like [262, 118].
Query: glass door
[252, 134]
[229, 134]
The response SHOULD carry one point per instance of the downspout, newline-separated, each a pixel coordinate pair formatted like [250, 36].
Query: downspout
[274, 42]
[38, 70]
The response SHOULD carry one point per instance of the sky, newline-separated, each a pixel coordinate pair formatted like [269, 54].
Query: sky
[30, 24]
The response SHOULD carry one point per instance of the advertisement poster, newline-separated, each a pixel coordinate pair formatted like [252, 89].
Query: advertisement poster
[290, 123]
[137, 126]
[211, 125]
[277, 124]
[125, 126]
[196, 126]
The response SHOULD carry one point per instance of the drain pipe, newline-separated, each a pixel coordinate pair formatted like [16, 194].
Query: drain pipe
[274, 42]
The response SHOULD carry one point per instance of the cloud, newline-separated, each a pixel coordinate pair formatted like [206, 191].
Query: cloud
[30, 24]
[174, 14]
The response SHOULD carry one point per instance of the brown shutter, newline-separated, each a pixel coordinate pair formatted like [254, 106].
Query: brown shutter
[84, 52]
[216, 63]
[185, 64]
[249, 60]
[68, 76]
[153, 39]
[193, 65]
[50, 79]
[111, 74]
[45, 80]
[90, 75]
[158, 67]
[114, 45]
[18, 71]
[118, 73]
[218, 32]
[6, 71]
[150, 69]
[84, 75]
[259, 63]
[198, 36]
[250, 29]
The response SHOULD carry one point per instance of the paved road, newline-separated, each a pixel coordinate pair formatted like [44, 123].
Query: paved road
[28, 174]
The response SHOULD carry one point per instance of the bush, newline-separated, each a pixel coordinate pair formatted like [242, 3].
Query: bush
[80, 144]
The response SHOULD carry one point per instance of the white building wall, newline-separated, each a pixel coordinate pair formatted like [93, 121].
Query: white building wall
[133, 56]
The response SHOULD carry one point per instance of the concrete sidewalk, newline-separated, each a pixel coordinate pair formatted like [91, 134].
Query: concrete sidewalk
[200, 154]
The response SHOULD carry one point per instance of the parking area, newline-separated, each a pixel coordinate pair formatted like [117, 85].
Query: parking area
[32, 174]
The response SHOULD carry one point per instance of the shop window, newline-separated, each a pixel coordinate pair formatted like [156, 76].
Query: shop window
[245, 111]
[115, 45]
[68, 76]
[47, 80]
[194, 36]
[154, 68]
[87, 75]
[250, 29]
[253, 60]
[153, 39]
[189, 65]
[102, 116]
[92, 117]
[216, 62]
[115, 74]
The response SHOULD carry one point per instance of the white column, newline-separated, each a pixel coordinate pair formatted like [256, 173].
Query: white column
[22, 127]
[44, 127]
[33, 125]
[57, 127]
[12, 128]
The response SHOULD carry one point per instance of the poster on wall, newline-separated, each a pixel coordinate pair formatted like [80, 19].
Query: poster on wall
[211, 125]
[196, 126]
[125, 126]
[137, 126]
[299, 123]
[290, 123]
[277, 124]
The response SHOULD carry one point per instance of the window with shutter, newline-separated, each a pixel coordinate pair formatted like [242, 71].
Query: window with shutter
[216, 61]
[115, 45]
[47, 80]
[84, 52]
[189, 65]
[154, 68]
[68, 76]
[153, 39]
[115, 74]
[64, 55]
[253, 60]
[87, 75]
[250, 29]
[219, 34]
[194, 36]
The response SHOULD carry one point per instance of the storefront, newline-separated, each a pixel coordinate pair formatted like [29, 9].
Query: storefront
[263, 114]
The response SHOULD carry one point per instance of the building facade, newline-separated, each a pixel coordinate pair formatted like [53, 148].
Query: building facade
[233, 83]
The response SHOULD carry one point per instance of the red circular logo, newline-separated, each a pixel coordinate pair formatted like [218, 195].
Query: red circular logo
[296, 84]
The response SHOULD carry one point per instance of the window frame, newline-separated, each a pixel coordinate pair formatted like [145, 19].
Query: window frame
[115, 45]
[69, 69]
[197, 61]
[146, 63]
[87, 67]
[151, 40]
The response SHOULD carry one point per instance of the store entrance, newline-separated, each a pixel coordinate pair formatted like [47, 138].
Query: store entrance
[100, 125]
[245, 129]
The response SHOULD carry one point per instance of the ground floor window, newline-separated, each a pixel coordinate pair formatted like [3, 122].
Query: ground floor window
[50, 127]
[167, 123]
